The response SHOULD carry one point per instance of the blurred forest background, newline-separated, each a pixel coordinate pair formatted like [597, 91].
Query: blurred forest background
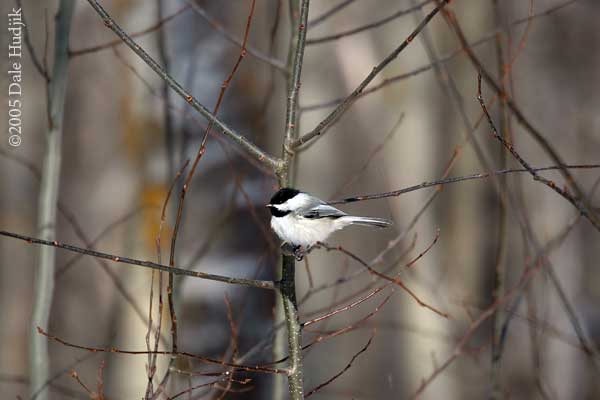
[126, 134]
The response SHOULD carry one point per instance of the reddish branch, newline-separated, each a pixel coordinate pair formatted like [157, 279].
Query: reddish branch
[152, 357]
[346, 368]
[80, 233]
[461, 345]
[255, 368]
[202, 148]
[530, 270]
[346, 329]
[345, 308]
[213, 383]
[186, 186]
[233, 344]
[277, 64]
[394, 280]
[536, 177]
[247, 145]
[521, 118]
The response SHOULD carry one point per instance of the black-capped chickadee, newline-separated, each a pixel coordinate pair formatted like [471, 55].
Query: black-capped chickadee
[302, 220]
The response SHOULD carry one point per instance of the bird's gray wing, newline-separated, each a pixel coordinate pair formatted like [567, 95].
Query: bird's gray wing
[320, 210]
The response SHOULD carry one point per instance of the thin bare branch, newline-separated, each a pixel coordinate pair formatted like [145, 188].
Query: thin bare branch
[521, 118]
[536, 177]
[530, 271]
[247, 145]
[446, 181]
[329, 13]
[344, 308]
[188, 181]
[324, 125]
[376, 150]
[241, 43]
[366, 27]
[117, 42]
[395, 280]
[146, 264]
[346, 368]
[442, 60]
[208, 360]
[213, 383]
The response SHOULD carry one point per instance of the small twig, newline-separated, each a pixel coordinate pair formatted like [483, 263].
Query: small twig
[233, 344]
[442, 60]
[352, 276]
[395, 280]
[165, 60]
[270, 86]
[446, 181]
[588, 347]
[413, 222]
[248, 146]
[366, 27]
[344, 308]
[117, 42]
[521, 118]
[227, 213]
[91, 243]
[208, 360]
[346, 368]
[75, 376]
[47, 30]
[536, 177]
[187, 183]
[152, 357]
[356, 175]
[530, 270]
[501, 249]
[100, 384]
[58, 374]
[349, 328]
[241, 43]
[215, 382]
[327, 14]
[263, 344]
[324, 125]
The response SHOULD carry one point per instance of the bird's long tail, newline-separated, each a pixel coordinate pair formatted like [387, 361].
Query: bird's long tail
[368, 221]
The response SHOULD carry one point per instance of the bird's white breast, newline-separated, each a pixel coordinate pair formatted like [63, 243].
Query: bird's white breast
[304, 232]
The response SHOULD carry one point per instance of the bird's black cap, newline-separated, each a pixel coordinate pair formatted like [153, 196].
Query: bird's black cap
[283, 195]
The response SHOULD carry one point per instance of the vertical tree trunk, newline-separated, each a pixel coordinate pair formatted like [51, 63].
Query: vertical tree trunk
[39, 364]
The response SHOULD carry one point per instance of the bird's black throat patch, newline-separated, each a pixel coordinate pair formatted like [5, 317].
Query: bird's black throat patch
[277, 212]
